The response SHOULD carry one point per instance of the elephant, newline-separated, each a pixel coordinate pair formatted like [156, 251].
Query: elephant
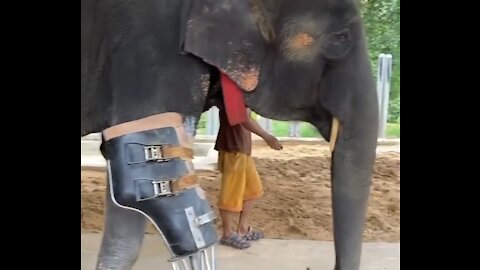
[292, 60]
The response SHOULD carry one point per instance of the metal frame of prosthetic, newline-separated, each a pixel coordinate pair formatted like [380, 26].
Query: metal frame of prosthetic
[149, 173]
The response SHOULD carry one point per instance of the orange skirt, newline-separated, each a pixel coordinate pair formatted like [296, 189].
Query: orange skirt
[240, 180]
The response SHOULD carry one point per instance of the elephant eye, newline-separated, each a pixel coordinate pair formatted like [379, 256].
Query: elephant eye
[342, 36]
[338, 44]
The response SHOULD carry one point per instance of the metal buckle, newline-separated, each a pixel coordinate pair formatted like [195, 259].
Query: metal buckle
[154, 153]
[162, 188]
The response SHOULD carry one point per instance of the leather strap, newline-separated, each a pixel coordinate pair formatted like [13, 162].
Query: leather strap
[148, 123]
[177, 152]
[186, 182]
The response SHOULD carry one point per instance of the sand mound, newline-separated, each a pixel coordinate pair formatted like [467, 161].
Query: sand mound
[297, 201]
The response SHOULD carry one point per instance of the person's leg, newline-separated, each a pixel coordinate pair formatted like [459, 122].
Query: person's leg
[230, 203]
[227, 222]
[243, 226]
[253, 191]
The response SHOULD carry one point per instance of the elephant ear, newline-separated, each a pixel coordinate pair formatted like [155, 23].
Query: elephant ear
[224, 34]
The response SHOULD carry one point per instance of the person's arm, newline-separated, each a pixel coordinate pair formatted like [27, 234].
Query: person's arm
[254, 127]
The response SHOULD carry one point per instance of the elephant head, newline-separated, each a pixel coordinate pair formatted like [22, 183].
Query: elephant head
[302, 60]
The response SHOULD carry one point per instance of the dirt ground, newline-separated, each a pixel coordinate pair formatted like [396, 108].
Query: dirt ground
[296, 204]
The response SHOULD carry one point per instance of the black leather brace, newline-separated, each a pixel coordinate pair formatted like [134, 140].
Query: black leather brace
[145, 182]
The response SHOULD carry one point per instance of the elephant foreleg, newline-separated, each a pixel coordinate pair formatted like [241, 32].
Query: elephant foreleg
[122, 238]
[151, 175]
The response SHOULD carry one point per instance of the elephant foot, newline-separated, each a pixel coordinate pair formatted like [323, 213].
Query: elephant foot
[151, 173]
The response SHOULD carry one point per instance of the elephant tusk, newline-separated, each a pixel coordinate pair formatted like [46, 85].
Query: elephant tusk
[334, 133]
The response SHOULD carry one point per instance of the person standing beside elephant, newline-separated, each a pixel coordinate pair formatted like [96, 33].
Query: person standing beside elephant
[241, 185]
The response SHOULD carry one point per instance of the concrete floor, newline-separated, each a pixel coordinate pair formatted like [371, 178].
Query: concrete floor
[266, 254]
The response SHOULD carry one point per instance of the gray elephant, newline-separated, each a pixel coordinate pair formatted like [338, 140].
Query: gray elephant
[149, 69]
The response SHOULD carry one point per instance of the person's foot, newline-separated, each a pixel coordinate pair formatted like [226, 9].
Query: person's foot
[235, 241]
[251, 234]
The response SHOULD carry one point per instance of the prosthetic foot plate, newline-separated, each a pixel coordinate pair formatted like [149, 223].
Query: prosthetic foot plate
[203, 260]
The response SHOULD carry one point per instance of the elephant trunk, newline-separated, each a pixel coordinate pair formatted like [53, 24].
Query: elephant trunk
[352, 167]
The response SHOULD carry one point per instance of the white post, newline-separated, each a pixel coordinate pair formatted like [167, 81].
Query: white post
[265, 123]
[294, 129]
[213, 121]
[384, 74]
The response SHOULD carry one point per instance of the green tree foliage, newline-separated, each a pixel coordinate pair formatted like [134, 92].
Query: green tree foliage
[382, 21]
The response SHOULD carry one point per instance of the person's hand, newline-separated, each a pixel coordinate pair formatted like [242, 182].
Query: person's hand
[273, 142]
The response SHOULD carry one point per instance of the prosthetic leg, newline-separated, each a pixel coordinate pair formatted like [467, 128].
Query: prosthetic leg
[149, 173]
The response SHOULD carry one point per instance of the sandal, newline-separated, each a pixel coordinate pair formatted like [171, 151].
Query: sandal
[253, 235]
[235, 241]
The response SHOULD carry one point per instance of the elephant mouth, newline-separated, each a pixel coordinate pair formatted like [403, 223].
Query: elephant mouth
[247, 79]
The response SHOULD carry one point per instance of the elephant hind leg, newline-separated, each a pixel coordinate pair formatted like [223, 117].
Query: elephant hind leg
[123, 235]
